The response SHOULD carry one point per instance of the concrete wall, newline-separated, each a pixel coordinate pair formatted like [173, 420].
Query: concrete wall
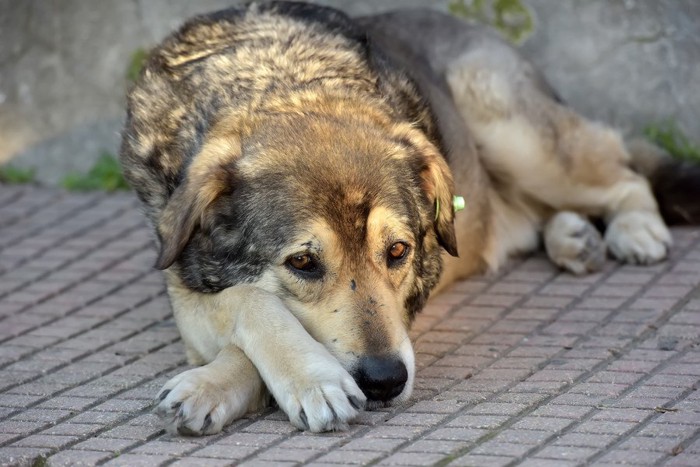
[63, 65]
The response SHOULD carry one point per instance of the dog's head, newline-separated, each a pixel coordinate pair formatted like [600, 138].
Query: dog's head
[341, 214]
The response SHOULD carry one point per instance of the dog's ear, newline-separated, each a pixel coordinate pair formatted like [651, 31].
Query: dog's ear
[436, 181]
[208, 177]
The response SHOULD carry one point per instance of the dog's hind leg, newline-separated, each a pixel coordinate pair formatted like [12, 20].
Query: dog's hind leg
[542, 151]
[573, 243]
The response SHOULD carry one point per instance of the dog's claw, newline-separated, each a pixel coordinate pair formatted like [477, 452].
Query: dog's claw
[304, 419]
[206, 424]
[356, 403]
[184, 430]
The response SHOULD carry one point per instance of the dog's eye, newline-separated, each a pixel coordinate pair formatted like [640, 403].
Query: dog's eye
[397, 252]
[301, 262]
[305, 266]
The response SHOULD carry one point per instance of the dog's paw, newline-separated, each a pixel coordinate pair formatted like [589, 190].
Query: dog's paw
[326, 399]
[574, 244]
[201, 401]
[638, 237]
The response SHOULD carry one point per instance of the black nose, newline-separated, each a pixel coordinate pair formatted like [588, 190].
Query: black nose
[381, 378]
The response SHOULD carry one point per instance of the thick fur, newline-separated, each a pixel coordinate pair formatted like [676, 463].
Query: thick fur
[261, 136]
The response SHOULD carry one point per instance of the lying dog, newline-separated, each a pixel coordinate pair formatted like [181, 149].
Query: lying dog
[298, 182]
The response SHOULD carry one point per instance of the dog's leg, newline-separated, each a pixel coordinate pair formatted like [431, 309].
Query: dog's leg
[203, 400]
[573, 243]
[308, 383]
[549, 154]
[251, 340]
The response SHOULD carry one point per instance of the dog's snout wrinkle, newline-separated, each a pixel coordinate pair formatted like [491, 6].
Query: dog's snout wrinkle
[381, 378]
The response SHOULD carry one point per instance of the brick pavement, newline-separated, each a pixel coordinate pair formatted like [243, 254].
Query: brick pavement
[532, 367]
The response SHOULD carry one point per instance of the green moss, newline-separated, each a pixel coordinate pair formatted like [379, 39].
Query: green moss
[105, 175]
[14, 175]
[667, 135]
[510, 17]
[136, 63]
[40, 461]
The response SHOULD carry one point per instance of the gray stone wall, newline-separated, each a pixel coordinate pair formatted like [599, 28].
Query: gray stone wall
[63, 65]
[626, 62]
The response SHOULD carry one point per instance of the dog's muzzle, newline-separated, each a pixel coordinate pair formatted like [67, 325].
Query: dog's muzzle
[381, 378]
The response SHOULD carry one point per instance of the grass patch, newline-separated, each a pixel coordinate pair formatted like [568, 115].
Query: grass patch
[668, 136]
[513, 19]
[15, 176]
[105, 175]
[136, 63]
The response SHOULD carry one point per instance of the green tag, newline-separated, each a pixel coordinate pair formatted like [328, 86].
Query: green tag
[458, 204]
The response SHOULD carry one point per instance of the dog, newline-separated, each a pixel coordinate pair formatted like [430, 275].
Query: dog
[299, 169]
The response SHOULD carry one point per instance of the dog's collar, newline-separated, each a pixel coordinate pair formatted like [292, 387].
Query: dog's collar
[458, 204]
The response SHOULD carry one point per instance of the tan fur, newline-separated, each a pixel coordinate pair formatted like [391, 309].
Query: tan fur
[544, 158]
[255, 137]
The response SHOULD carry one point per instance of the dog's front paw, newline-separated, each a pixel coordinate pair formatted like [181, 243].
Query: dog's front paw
[324, 398]
[201, 401]
[639, 237]
[573, 243]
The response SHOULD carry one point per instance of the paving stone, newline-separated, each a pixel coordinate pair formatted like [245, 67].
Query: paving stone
[566, 453]
[105, 444]
[552, 424]
[349, 457]
[411, 458]
[618, 456]
[45, 441]
[443, 447]
[71, 457]
[533, 367]
[136, 460]
[225, 451]
[501, 449]
[585, 440]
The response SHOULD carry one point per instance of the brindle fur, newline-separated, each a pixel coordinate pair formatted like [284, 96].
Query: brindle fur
[261, 132]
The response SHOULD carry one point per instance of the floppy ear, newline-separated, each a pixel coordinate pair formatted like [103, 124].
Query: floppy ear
[208, 176]
[437, 183]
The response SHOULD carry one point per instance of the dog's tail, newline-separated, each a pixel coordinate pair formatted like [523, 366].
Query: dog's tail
[676, 183]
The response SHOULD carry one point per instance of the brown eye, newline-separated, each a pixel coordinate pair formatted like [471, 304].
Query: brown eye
[397, 252]
[305, 265]
[301, 262]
